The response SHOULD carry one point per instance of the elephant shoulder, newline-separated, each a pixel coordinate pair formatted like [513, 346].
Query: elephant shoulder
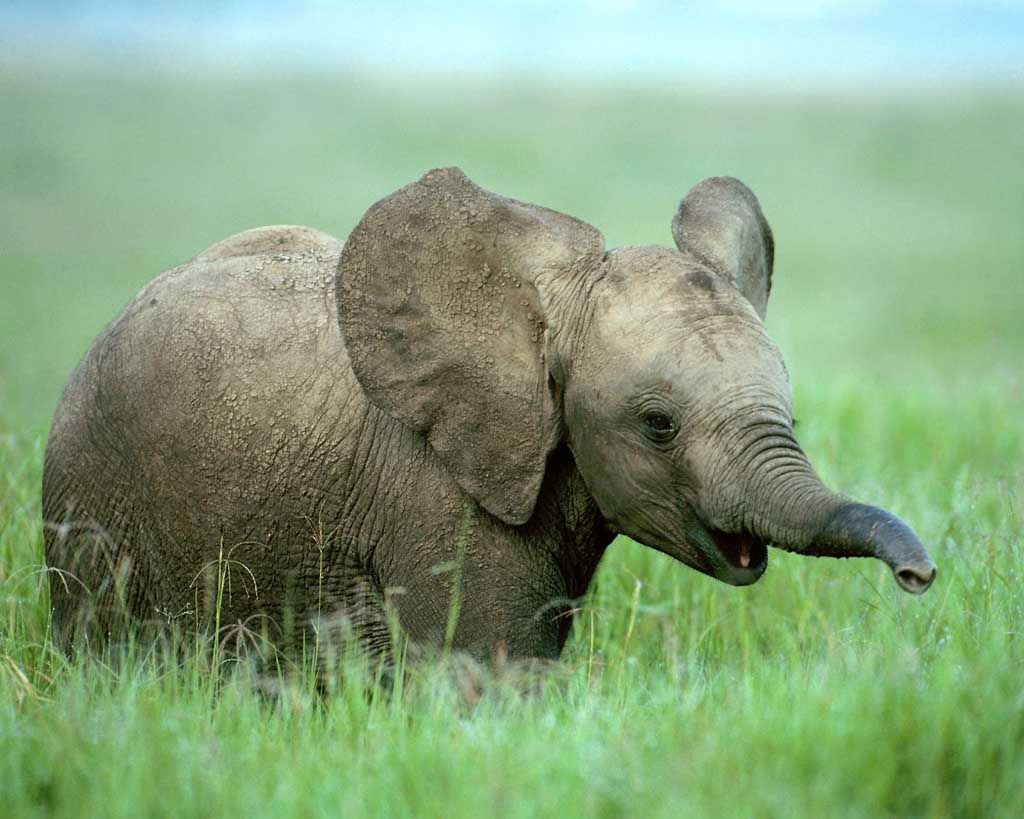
[270, 240]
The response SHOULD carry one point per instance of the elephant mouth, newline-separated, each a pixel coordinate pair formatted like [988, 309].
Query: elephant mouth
[738, 559]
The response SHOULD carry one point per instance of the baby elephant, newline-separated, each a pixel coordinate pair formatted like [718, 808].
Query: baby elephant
[456, 411]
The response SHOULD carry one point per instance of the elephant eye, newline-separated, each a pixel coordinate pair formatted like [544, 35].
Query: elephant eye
[659, 426]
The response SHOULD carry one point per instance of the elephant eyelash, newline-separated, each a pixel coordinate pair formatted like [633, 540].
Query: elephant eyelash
[653, 401]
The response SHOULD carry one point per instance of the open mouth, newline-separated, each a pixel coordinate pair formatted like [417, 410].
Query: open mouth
[743, 557]
[742, 551]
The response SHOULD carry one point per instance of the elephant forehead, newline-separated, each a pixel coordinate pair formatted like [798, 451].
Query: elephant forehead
[655, 284]
[669, 333]
[710, 355]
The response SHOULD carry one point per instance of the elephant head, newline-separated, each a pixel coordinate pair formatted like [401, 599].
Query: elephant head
[499, 329]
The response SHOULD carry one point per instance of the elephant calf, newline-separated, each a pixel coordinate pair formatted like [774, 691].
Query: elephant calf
[463, 403]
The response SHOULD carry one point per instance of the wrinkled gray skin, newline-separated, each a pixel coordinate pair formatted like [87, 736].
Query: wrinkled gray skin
[472, 395]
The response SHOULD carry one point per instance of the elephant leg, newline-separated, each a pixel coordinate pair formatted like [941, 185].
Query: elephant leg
[98, 583]
[488, 609]
[354, 616]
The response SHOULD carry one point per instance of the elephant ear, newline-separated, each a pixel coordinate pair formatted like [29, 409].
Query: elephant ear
[438, 302]
[721, 224]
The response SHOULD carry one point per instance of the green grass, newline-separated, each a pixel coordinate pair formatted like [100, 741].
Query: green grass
[820, 691]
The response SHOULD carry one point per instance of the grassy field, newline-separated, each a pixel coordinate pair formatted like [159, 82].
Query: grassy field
[820, 691]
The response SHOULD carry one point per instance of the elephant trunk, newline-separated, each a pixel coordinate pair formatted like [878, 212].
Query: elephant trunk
[858, 529]
[789, 506]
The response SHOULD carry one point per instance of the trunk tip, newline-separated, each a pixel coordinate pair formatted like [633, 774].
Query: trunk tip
[916, 577]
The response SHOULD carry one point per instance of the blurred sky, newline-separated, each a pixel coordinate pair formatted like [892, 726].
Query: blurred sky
[806, 41]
